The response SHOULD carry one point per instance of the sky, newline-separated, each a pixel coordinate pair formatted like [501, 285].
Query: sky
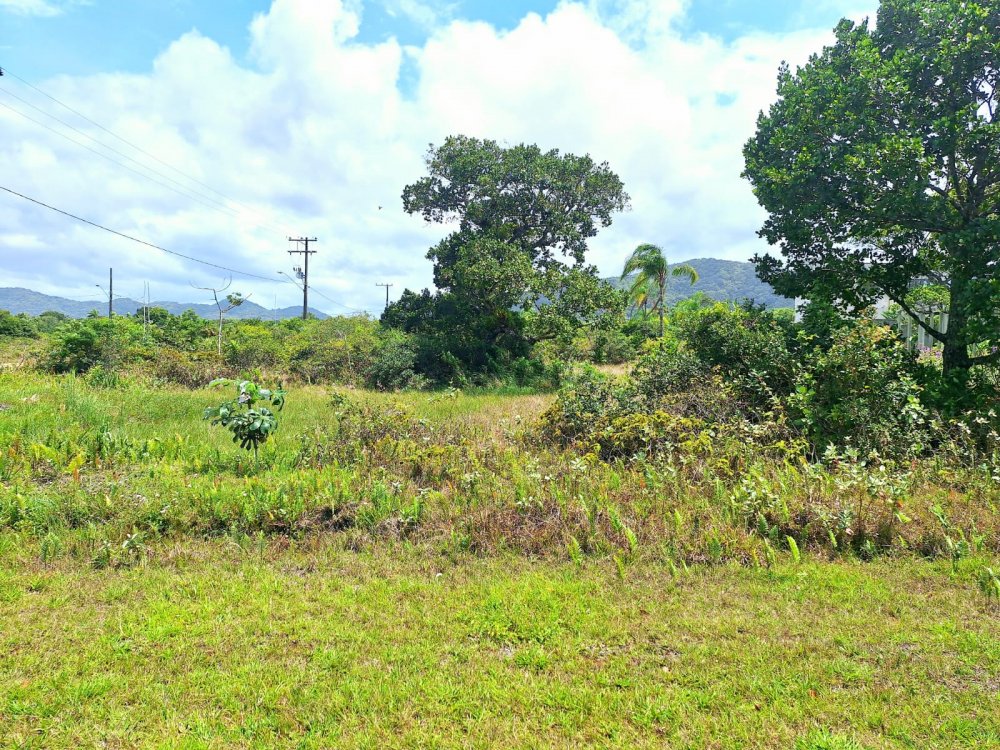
[217, 130]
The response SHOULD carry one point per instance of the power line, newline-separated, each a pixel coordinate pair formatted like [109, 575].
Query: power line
[6, 71]
[113, 150]
[328, 299]
[339, 304]
[272, 280]
[113, 161]
[141, 242]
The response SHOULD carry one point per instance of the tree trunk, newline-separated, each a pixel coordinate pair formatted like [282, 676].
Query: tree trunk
[663, 285]
[955, 360]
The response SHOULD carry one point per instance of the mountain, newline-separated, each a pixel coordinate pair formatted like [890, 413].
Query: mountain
[18, 300]
[722, 280]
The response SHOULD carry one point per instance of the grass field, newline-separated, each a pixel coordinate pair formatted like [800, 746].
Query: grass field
[309, 647]
[423, 570]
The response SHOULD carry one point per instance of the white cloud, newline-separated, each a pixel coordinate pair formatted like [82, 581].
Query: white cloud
[314, 134]
[30, 7]
[39, 8]
[426, 15]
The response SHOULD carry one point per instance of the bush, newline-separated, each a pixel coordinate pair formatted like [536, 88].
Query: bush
[613, 347]
[334, 350]
[749, 346]
[249, 346]
[862, 393]
[393, 362]
[586, 403]
[664, 369]
[17, 326]
[82, 344]
[191, 370]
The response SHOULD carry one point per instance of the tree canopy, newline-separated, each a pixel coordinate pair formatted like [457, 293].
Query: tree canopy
[879, 166]
[523, 217]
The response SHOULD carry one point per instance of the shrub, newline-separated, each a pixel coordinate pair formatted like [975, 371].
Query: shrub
[17, 326]
[749, 346]
[862, 393]
[191, 370]
[586, 403]
[335, 349]
[247, 416]
[251, 346]
[81, 344]
[613, 347]
[393, 362]
[663, 369]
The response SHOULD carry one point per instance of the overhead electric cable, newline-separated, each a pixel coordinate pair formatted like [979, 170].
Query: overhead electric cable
[274, 280]
[116, 151]
[6, 71]
[317, 291]
[233, 213]
[341, 304]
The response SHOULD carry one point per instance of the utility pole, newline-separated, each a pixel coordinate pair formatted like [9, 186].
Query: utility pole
[303, 273]
[111, 290]
[386, 292]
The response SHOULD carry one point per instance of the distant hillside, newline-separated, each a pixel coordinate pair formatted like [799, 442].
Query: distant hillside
[722, 280]
[17, 300]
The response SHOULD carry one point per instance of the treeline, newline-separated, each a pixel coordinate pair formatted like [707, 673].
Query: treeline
[186, 350]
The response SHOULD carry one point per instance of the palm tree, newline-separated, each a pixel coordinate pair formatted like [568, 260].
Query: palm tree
[650, 266]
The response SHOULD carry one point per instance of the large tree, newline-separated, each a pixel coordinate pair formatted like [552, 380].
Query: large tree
[523, 217]
[879, 166]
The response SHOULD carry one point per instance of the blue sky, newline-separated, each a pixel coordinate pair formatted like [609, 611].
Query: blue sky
[102, 35]
[306, 116]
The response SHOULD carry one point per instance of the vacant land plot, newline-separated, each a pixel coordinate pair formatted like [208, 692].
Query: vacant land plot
[216, 646]
[426, 570]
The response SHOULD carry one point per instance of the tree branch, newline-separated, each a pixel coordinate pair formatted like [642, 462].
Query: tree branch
[984, 359]
[932, 332]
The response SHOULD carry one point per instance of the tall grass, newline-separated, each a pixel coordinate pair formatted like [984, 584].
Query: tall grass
[466, 472]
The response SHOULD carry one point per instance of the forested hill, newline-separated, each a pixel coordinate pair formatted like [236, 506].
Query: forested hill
[722, 280]
[17, 300]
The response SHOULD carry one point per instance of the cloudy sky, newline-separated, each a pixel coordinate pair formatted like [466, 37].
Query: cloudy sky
[260, 119]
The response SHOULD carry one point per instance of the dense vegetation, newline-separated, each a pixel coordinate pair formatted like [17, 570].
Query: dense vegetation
[737, 434]
[464, 527]
[877, 166]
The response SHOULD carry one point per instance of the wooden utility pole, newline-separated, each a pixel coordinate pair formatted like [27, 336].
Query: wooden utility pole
[110, 292]
[303, 273]
[386, 293]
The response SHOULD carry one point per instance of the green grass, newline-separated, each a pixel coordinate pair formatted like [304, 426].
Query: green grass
[428, 571]
[213, 646]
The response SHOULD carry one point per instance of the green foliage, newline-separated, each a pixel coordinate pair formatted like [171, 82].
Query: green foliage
[252, 345]
[648, 289]
[247, 416]
[392, 363]
[666, 369]
[862, 393]
[82, 344]
[749, 345]
[520, 211]
[875, 167]
[333, 350]
[17, 326]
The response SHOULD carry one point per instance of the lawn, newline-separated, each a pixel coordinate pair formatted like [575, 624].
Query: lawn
[309, 646]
